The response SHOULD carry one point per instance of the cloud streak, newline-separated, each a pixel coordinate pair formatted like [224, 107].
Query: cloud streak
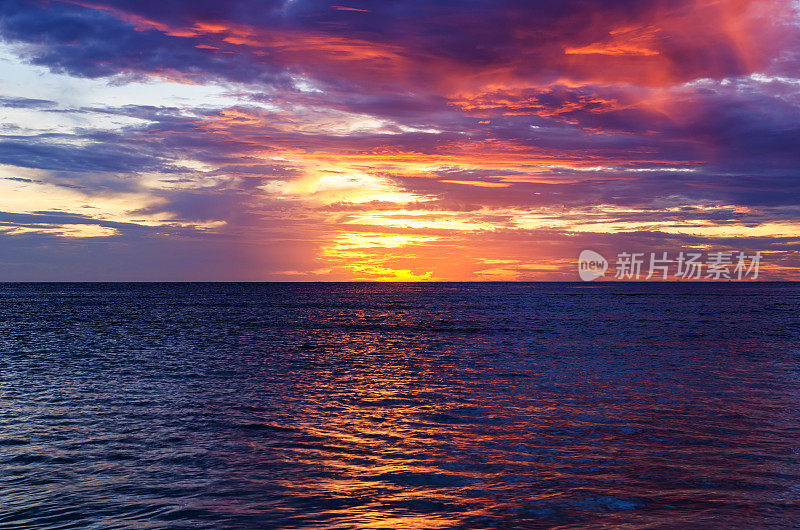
[420, 140]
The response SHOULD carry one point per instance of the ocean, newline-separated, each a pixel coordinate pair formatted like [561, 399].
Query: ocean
[413, 405]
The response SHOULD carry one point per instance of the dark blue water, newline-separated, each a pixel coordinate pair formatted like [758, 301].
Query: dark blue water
[400, 405]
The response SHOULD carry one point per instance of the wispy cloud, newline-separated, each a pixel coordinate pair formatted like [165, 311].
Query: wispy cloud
[422, 140]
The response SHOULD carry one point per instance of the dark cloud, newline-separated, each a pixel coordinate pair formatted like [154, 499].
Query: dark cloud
[97, 157]
[525, 39]
[578, 108]
[25, 103]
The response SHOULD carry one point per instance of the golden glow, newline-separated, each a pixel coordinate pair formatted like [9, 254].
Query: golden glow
[65, 230]
[371, 197]
[478, 183]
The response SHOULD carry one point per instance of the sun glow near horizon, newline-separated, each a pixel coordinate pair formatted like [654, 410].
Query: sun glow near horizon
[291, 147]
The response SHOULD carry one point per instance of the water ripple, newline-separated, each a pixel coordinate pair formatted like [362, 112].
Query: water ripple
[399, 406]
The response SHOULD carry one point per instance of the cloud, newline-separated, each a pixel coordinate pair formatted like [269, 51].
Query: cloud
[422, 130]
[25, 103]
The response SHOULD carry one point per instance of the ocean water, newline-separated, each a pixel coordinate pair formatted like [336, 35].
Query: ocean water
[488, 405]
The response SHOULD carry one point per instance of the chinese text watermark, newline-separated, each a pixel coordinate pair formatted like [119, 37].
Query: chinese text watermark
[680, 266]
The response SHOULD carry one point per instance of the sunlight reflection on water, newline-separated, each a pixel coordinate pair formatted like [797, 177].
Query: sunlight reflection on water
[400, 406]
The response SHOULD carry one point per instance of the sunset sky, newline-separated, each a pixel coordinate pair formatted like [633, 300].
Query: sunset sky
[414, 140]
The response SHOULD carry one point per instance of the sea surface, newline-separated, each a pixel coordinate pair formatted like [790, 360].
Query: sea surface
[435, 405]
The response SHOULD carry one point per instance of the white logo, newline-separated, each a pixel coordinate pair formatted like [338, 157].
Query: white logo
[591, 265]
